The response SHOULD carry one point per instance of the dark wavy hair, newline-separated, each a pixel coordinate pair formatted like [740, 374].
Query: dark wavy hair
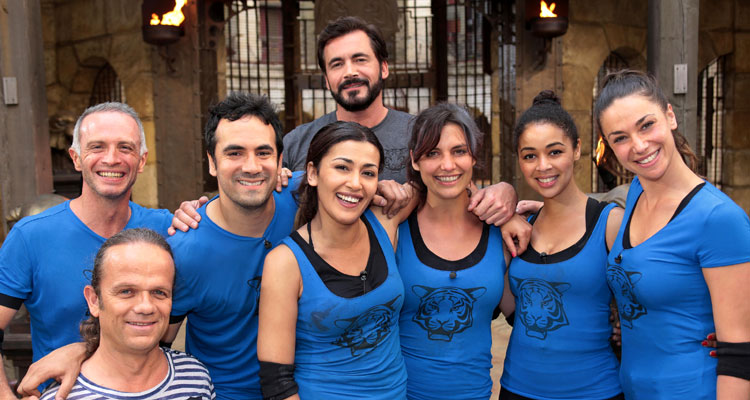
[624, 83]
[345, 25]
[90, 328]
[546, 109]
[425, 136]
[238, 105]
[328, 136]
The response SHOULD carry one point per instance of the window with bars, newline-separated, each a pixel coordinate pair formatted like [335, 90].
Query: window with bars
[107, 87]
[711, 116]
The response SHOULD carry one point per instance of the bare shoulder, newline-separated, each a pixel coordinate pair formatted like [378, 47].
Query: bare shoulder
[614, 220]
[280, 266]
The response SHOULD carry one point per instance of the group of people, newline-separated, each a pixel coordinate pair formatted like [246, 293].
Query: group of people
[386, 288]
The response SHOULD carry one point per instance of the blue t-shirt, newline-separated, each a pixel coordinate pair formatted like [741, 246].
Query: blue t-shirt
[349, 347]
[42, 264]
[218, 286]
[559, 347]
[446, 337]
[662, 296]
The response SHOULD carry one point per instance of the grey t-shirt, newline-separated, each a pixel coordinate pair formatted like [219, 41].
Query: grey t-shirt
[393, 132]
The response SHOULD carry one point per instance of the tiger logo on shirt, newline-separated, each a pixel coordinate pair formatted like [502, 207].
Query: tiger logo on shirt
[540, 306]
[622, 284]
[365, 332]
[446, 311]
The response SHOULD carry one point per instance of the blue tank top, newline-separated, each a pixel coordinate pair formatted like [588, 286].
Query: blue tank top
[664, 302]
[349, 347]
[559, 347]
[446, 338]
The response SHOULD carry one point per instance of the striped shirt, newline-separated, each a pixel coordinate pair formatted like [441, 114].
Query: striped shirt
[186, 379]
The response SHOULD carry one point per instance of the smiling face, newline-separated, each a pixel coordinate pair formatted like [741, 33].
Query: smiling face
[246, 163]
[110, 158]
[346, 180]
[640, 134]
[547, 157]
[353, 74]
[135, 297]
[446, 170]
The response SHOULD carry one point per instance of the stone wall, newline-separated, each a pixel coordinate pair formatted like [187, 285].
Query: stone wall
[596, 29]
[80, 36]
[725, 31]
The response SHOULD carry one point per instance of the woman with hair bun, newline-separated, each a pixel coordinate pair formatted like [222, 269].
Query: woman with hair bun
[559, 347]
[680, 265]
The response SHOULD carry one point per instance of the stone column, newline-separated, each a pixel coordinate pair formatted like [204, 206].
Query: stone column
[25, 166]
[673, 40]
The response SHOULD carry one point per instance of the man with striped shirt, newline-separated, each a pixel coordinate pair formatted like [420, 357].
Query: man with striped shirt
[130, 299]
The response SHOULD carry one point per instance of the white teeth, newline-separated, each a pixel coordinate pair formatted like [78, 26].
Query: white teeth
[140, 323]
[348, 199]
[648, 159]
[447, 178]
[247, 183]
[547, 180]
[108, 174]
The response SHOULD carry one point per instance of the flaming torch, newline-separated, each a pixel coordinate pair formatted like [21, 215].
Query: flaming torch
[167, 29]
[547, 20]
[599, 153]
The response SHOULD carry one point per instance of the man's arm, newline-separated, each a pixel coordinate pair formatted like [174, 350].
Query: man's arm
[62, 365]
[6, 314]
[494, 204]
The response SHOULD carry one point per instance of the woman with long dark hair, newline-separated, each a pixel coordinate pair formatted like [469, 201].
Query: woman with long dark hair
[680, 265]
[331, 293]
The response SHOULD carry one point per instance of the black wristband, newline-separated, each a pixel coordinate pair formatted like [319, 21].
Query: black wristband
[734, 359]
[277, 380]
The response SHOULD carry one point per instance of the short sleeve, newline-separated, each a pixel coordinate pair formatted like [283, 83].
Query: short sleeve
[725, 238]
[183, 295]
[16, 266]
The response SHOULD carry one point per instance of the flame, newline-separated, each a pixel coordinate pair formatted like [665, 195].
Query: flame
[547, 12]
[174, 17]
[599, 150]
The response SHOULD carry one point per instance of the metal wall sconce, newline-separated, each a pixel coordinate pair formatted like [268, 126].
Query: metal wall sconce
[162, 21]
[547, 19]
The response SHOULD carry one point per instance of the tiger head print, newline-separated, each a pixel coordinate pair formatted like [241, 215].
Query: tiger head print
[540, 306]
[363, 333]
[622, 284]
[445, 311]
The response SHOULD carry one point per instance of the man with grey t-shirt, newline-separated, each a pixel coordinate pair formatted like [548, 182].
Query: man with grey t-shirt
[353, 58]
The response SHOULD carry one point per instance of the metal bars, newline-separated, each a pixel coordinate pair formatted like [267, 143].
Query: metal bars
[711, 116]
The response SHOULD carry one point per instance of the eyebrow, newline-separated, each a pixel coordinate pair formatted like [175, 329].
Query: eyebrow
[232, 147]
[637, 123]
[547, 146]
[334, 59]
[265, 147]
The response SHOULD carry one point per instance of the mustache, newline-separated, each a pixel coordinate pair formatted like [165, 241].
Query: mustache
[353, 81]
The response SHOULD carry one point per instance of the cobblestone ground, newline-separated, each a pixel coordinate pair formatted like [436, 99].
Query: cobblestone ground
[500, 335]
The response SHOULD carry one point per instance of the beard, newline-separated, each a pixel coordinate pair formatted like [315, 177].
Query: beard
[354, 104]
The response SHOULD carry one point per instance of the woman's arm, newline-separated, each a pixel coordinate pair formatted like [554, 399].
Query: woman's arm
[507, 302]
[281, 288]
[613, 225]
[731, 307]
